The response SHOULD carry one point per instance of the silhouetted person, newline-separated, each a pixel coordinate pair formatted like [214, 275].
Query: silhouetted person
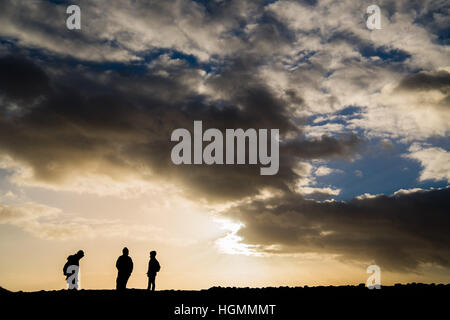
[153, 268]
[71, 269]
[124, 266]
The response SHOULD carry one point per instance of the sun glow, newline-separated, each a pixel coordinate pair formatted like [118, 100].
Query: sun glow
[231, 242]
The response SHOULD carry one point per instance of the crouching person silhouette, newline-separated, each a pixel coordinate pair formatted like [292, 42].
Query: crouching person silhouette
[71, 270]
[153, 269]
[124, 267]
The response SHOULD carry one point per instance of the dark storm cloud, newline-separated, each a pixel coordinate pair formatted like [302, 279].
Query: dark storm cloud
[422, 82]
[425, 81]
[114, 123]
[22, 80]
[397, 232]
[323, 147]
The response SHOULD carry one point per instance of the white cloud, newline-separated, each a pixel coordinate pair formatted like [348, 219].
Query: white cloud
[324, 171]
[367, 196]
[359, 80]
[116, 31]
[435, 162]
[306, 184]
[51, 223]
[315, 190]
[407, 191]
[122, 183]
[119, 31]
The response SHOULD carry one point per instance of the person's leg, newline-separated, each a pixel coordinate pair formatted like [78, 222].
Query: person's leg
[125, 281]
[72, 281]
[153, 283]
[122, 281]
[76, 286]
[149, 283]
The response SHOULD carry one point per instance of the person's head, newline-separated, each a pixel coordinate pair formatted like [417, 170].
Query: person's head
[125, 251]
[80, 253]
[152, 254]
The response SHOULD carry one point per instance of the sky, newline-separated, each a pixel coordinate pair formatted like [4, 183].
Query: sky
[86, 118]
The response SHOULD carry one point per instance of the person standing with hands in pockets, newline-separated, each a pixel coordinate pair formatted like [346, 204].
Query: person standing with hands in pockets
[124, 267]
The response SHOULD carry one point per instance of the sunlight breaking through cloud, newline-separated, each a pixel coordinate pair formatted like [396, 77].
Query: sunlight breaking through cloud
[231, 243]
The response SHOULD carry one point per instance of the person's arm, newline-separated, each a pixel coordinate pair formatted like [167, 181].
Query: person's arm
[131, 265]
[117, 263]
[66, 265]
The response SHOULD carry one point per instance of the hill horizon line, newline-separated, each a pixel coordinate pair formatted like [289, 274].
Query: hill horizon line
[409, 284]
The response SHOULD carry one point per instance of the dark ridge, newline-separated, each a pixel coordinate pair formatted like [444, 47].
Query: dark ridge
[4, 291]
[399, 300]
